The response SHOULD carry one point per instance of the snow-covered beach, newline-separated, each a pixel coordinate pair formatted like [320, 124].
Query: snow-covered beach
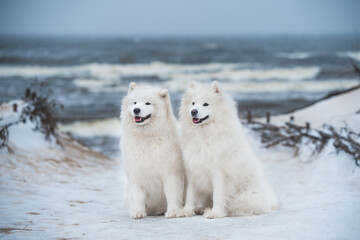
[49, 192]
[291, 67]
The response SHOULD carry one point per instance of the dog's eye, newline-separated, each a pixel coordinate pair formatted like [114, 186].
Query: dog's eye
[147, 103]
[134, 102]
[206, 104]
[193, 103]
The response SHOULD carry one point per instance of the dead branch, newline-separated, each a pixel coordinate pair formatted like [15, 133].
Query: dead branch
[37, 108]
[292, 135]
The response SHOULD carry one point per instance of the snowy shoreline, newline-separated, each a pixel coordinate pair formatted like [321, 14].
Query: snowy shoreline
[49, 192]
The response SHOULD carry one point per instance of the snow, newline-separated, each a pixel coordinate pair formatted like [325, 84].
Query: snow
[77, 194]
[7, 115]
[335, 111]
[26, 138]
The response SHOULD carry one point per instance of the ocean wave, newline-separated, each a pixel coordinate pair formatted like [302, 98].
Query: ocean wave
[115, 77]
[228, 74]
[273, 86]
[236, 75]
[350, 54]
[104, 70]
[110, 127]
[104, 85]
[211, 46]
[296, 55]
[244, 86]
[232, 71]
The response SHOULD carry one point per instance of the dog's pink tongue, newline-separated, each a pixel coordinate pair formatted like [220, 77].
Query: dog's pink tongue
[195, 120]
[137, 119]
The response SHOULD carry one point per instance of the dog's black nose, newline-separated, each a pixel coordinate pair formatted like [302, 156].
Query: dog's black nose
[136, 110]
[194, 112]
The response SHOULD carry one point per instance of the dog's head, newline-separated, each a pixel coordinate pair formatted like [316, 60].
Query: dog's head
[143, 104]
[201, 103]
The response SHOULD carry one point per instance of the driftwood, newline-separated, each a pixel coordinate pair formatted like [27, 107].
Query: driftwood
[292, 135]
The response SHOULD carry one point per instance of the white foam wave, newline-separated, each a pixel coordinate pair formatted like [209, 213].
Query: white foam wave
[351, 54]
[113, 71]
[232, 71]
[296, 55]
[236, 75]
[107, 127]
[90, 83]
[104, 85]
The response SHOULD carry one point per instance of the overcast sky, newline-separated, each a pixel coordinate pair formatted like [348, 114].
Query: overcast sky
[179, 17]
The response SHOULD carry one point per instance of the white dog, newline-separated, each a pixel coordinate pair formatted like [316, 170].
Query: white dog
[223, 174]
[151, 153]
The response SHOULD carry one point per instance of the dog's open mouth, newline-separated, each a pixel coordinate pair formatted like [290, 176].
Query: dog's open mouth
[141, 119]
[199, 120]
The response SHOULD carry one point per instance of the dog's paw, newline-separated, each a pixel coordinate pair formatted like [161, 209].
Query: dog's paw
[172, 213]
[138, 214]
[214, 214]
[186, 213]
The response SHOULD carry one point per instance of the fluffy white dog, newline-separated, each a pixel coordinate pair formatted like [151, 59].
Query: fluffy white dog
[224, 176]
[151, 153]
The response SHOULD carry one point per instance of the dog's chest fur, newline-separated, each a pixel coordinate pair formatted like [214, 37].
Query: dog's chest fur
[146, 158]
[201, 165]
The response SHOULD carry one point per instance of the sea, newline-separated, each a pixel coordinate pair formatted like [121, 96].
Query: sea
[90, 75]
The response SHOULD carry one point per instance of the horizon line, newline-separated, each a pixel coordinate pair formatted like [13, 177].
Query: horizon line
[151, 35]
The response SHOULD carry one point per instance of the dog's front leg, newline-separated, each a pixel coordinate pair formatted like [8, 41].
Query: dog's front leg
[189, 208]
[137, 202]
[219, 202]
[174, 191]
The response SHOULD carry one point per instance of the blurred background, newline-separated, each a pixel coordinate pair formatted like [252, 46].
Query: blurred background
[271, 56]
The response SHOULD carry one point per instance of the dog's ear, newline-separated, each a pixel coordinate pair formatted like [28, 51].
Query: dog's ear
[215, 88]
[132, 86]
[164, 93]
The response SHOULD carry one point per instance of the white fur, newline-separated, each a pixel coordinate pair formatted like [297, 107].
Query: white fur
[151, 154]
[224, 177]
